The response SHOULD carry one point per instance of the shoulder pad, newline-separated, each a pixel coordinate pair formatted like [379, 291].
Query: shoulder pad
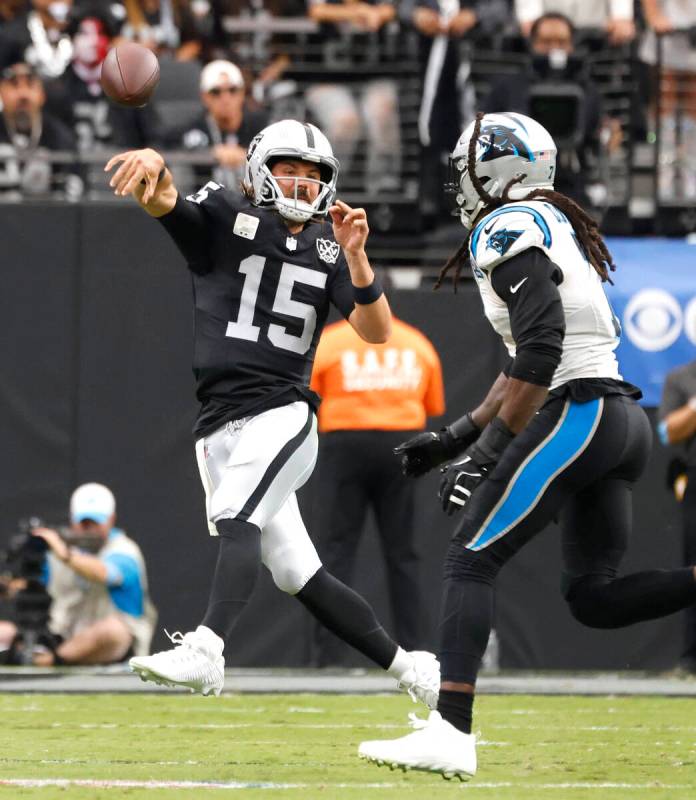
[508, 231]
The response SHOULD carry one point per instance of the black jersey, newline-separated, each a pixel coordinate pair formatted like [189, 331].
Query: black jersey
[261, 299]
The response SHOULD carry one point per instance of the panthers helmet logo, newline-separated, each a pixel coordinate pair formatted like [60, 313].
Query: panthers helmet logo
[500, 141]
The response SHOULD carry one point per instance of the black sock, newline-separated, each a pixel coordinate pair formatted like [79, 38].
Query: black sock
[457, 709]
[236, 571]
[348, 615]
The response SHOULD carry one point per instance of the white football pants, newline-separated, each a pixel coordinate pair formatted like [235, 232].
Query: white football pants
[250, 469]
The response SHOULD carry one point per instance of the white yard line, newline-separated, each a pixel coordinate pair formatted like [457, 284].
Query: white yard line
[232, 785]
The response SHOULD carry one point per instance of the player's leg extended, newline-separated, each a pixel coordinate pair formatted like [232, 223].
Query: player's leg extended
[525, 491]
[597, 524]
[290, 556]
[248, 469]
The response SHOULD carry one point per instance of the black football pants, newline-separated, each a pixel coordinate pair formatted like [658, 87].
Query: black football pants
[358, 471]
[576, 461]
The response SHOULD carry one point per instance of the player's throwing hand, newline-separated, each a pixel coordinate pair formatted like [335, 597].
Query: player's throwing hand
[349, 226]
[135, 166]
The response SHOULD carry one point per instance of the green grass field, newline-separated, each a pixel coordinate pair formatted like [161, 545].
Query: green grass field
[304, 746]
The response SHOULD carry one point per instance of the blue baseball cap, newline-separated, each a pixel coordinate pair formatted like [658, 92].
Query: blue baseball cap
[92, 501]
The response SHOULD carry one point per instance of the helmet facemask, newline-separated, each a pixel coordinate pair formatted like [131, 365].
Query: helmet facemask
[294, 208]
[290, 140]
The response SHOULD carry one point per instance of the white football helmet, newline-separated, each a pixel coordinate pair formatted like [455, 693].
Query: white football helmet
[290, 139]
[508, 146]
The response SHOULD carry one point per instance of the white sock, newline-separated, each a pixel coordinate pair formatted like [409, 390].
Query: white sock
[402, 662]
[212, 637]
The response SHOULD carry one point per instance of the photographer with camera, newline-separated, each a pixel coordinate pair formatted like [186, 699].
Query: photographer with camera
[96, 582]
[557, 91]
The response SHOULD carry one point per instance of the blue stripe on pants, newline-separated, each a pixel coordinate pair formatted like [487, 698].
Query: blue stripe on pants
[561, 447]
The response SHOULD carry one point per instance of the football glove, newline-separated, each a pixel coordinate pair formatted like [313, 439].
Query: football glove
[429, 449]
[461, 478]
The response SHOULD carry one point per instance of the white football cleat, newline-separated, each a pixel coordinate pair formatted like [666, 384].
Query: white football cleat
[422, 679]
[435, 746]
[196, 661]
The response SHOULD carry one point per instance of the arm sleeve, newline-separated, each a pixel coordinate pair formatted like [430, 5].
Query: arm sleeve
[528, 284]
[187, 224]
[341, 288]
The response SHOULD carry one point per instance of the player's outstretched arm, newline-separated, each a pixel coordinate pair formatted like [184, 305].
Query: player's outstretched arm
[143, 174]
[371, 320]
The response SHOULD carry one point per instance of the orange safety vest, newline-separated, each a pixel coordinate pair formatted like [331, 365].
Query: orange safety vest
[391, 386]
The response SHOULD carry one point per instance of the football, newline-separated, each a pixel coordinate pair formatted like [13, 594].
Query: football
[129, 74]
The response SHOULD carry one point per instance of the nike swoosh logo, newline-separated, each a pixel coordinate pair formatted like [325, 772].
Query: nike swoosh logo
[489, 228]
[514, 288]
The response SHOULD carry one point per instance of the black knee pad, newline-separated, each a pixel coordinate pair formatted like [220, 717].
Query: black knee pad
[462, 564]
[587, 603]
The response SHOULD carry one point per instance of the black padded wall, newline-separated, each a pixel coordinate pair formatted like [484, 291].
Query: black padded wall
[96, 321]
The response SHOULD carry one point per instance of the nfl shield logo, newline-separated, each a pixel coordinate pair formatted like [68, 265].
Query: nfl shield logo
[328, 250]
[291, 243]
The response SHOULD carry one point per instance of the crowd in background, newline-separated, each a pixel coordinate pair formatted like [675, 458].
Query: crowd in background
[341, 64]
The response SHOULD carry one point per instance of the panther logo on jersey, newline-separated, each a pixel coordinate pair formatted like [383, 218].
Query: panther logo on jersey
[502, 241]
[328, 250]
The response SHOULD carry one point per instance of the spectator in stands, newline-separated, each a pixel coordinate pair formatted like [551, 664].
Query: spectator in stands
[100, 611]
[448, 92]
[557, 92]
[677, 426]
[352, 105]
[38, 37]
[615, 17]
[225, 127]
[26, 133]
[165, 26]
[373, 398]
[677, 85]
[77, 95]
[263, 57]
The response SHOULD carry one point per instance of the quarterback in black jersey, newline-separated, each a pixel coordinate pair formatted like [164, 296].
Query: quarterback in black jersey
[265, 268]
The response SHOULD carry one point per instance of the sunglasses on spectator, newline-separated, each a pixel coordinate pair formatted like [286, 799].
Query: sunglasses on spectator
[218, 90]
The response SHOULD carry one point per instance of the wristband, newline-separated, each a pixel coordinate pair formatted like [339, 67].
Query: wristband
[459, 435]
[491, 443]
[364, 295]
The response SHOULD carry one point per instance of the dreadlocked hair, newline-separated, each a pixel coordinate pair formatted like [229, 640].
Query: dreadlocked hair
[586, 229]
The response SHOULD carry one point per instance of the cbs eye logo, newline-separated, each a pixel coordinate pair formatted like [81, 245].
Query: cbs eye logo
[653, 320]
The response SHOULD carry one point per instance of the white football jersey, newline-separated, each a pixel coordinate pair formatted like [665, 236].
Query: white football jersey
[592, 329]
